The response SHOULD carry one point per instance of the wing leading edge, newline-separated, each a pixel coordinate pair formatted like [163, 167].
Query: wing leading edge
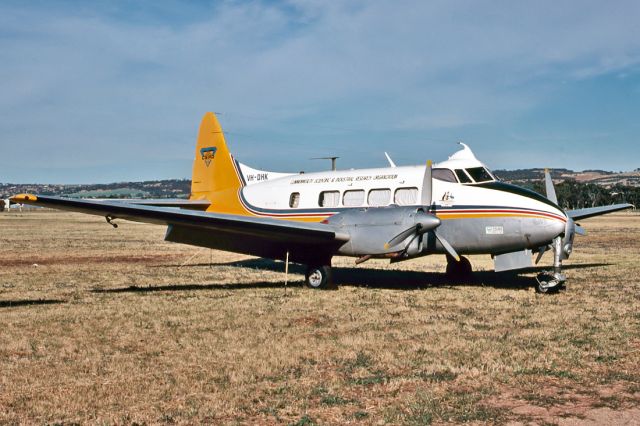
[243, 234]
[597, 211]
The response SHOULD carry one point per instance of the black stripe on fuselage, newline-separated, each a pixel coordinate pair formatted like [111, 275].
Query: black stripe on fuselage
[513, 189]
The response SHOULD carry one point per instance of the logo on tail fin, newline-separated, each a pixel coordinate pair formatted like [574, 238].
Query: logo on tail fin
[208, 154]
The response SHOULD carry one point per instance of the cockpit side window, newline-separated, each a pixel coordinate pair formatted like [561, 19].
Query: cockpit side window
[480, 174]
[462, 176]
[444, 175]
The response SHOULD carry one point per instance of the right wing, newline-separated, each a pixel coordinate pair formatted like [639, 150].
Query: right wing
[264, 237]
[597, 211]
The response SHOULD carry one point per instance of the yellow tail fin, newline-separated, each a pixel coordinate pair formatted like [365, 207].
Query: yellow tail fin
[214, 176]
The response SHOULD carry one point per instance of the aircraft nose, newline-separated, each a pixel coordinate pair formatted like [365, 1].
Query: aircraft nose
[557, 227]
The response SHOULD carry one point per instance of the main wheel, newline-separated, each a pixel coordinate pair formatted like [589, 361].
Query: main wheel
[318, 277]
[459, 270]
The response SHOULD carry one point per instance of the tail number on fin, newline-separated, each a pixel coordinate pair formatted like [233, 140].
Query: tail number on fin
[208, 154]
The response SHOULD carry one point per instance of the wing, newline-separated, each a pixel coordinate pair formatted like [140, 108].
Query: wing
[597, 211]
[242, 234]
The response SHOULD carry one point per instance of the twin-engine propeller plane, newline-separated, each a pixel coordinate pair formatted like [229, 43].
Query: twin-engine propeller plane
[454, 208]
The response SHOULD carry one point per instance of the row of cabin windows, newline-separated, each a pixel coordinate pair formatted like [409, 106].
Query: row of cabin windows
[356, 197]
[401, 197]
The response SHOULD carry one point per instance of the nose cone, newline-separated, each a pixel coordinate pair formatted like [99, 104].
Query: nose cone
[555, 227]
[427, 221]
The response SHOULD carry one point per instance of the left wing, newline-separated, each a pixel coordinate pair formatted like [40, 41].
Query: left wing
[243, 234]
[597, 211]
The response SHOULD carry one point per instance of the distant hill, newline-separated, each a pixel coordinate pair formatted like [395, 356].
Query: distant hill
[599, 177]
[172, 188]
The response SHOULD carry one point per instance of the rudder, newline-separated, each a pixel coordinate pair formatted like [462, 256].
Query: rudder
[214, 176]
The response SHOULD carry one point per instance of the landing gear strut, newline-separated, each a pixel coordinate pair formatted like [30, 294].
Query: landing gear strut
[550, 281]
[458, 270]
[319, 276]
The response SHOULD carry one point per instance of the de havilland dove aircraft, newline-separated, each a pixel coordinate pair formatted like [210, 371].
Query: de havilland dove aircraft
[453, 208]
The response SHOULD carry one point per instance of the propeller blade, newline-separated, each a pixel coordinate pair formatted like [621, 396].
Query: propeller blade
[401, 236]
[551, 190]
[447, 246]
[426, 185]
[541, 251]
[580, 230]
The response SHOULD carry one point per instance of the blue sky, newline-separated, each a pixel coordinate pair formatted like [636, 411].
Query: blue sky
[115, 90]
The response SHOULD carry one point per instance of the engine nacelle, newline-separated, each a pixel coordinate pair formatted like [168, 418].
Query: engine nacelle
[372, 229]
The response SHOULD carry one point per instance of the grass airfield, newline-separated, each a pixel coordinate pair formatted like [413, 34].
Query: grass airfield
[103, 325]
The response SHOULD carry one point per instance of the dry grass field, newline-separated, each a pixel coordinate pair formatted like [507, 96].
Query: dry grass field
[103, 325]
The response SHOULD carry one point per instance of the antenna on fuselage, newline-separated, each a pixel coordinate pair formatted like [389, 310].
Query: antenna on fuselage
[391, 163]
[333, 161]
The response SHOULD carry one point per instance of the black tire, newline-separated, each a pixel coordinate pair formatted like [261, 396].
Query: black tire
[459, 270]
[318, 277]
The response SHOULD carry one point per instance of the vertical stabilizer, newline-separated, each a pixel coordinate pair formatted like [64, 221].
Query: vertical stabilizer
[214, 176]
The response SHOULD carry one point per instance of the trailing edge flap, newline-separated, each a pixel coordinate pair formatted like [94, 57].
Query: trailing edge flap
[597, 211]
[166, 202]
[293, 232]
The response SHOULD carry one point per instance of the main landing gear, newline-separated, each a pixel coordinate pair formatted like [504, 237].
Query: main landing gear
[319, 277]
[551, 281]
[458, 270]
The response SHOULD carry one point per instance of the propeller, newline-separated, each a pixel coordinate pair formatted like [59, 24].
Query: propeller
[551, 190]
[571, 226]
[425, 221]
[427, 182]
[541, 252]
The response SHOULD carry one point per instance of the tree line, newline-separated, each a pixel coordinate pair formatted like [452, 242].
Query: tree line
[577, 195]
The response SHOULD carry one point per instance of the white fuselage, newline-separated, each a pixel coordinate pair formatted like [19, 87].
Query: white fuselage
[477, 217]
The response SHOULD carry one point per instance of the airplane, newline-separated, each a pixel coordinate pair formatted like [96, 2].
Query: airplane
[455, 207]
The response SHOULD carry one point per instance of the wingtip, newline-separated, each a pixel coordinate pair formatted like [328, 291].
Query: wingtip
[22, 198]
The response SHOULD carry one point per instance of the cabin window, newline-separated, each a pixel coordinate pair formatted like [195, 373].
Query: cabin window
[462, 176]
[405, 196]
[353, 198]
[294, 200]
[379, 197]
[480, 174]
[329, 198]
[444, 175]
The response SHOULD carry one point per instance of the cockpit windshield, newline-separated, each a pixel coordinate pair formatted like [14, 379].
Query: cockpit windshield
[471, 175]
[444, 174]
[480, 174]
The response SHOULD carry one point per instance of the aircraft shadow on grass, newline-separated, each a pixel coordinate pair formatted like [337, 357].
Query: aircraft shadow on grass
[360, 277]
[17, 303]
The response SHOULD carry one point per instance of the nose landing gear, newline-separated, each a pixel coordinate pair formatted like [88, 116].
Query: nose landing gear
[552, 281]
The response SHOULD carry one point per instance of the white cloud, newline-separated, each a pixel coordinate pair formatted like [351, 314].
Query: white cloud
[89, 86]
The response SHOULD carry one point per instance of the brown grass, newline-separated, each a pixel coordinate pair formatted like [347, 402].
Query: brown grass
[114, 325]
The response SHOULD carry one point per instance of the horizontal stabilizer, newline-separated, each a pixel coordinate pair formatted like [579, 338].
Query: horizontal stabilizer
[597, 211]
